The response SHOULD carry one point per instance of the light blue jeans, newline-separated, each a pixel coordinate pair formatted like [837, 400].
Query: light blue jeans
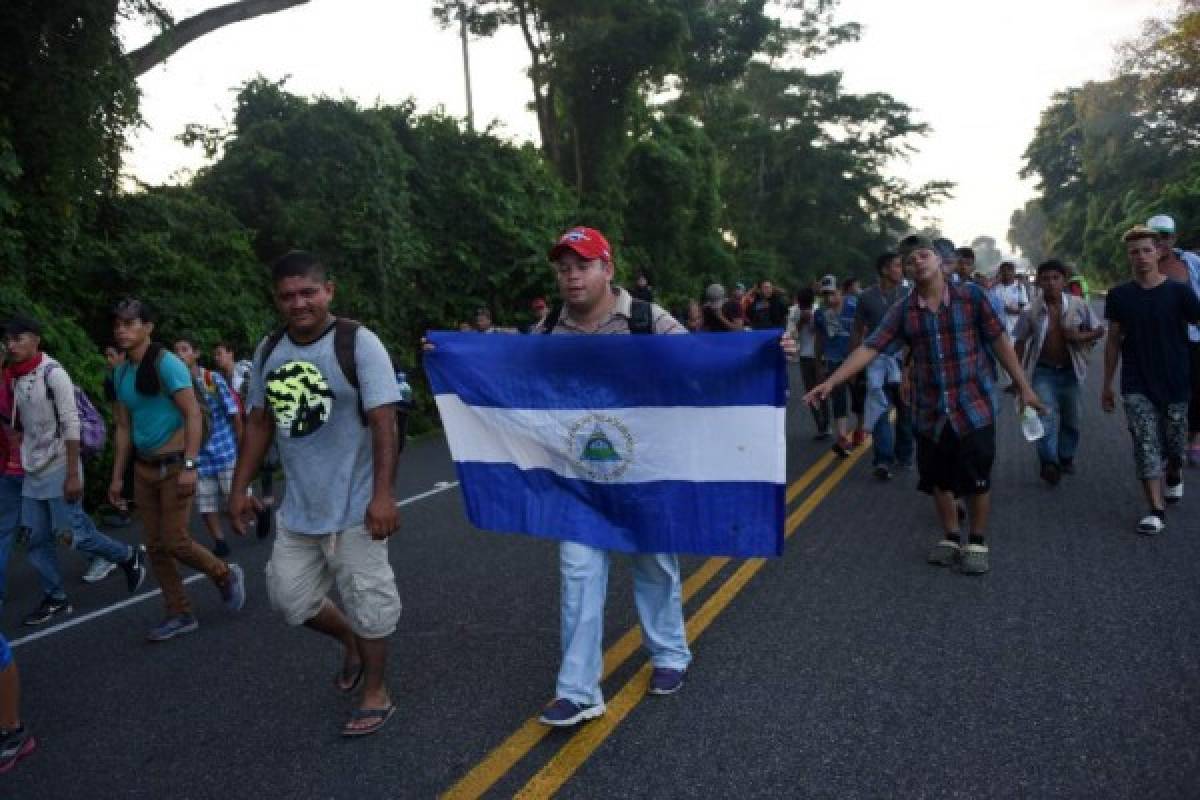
[658, 593]
[1059, 390]
[41, 552]
[53, 519]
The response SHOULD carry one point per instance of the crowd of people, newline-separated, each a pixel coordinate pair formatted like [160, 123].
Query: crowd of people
[917, 358]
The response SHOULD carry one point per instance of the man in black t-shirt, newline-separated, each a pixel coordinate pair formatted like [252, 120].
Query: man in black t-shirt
[1148, 319]
[767, 309]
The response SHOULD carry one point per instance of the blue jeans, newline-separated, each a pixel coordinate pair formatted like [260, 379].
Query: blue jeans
[893, 446]
[41, 552]
[50, 520]
[1059, 390]
[658, 593]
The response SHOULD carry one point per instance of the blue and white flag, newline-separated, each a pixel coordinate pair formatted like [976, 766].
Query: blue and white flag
[647, 444]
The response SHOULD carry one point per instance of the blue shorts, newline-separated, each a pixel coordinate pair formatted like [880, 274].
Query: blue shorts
[5, 653]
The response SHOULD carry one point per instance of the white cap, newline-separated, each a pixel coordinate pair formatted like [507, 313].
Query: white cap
[1161, 223]
[828, 284]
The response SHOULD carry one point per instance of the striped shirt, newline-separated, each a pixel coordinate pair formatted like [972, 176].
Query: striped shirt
[618, 320]
[951, 370]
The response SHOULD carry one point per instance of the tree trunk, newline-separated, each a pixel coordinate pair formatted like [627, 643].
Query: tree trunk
[171, 41]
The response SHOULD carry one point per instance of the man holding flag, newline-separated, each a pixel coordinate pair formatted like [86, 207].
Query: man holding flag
[600, 453]
[583, 267]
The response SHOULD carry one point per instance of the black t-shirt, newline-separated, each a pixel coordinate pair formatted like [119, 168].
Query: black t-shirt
[767, 312]
[1154, 351]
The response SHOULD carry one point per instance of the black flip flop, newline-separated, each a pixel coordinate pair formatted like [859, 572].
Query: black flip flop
[354, 682]
[380, 715]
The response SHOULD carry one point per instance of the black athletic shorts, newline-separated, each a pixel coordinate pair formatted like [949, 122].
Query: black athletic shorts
[959, 464]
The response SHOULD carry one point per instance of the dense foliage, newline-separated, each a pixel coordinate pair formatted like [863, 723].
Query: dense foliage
[1109, 154]
[690, 132]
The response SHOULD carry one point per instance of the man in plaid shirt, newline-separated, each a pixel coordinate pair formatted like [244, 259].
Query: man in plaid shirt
[946, 328]
[219, 453]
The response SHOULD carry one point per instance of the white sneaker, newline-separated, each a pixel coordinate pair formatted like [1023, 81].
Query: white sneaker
[1173, 494]
[98, 570]
[1151, 525]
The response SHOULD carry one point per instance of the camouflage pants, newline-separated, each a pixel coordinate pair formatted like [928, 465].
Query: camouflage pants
[1159, 434]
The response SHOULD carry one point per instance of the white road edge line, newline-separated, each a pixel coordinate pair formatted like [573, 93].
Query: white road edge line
[438, 488]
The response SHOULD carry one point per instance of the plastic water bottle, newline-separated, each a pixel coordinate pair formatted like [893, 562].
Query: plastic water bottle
[1031, 424]
[405, 389]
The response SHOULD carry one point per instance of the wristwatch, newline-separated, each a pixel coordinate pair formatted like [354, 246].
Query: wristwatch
[190, 463]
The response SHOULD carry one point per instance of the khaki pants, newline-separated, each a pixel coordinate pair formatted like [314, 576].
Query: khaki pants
[164, 517]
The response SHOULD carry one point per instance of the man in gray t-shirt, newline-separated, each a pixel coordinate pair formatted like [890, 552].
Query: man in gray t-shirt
[892, 442]
[337, 445]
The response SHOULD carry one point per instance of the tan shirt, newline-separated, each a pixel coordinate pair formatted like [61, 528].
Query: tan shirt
[618, 320]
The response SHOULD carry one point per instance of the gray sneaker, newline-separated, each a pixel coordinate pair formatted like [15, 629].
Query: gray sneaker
[944, 553]
[233, 593]
[98, 570]
[975, 559]
[171, 627]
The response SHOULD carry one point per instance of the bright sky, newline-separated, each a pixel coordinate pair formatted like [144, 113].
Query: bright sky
[996, 66]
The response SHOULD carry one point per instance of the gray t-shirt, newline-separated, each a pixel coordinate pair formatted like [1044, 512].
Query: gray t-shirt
[874, 303]
[324, 447]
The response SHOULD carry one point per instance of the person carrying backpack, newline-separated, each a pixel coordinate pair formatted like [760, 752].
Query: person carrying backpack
[323, 388]
[47, 411]
[159, 425]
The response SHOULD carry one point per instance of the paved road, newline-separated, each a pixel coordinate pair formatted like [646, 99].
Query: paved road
[846, 669]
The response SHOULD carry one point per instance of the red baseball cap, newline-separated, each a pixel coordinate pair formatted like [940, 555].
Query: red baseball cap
[587, 243]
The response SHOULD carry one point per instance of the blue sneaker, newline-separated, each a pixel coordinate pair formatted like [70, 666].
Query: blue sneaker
[233, 593]
[171, 627]
[665, 680]
[563, 713]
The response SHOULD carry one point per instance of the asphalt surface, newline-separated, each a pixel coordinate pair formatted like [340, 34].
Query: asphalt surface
[846, 669]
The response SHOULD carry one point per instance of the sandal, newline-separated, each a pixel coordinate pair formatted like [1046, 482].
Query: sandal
[380, 715]
[355, 679]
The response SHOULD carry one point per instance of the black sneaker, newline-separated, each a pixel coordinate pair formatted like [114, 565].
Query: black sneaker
[135, 569]
[221, 548]
[882, 472]
[48, 610]
[1050, 473]
[1067, 466]
[821, 436]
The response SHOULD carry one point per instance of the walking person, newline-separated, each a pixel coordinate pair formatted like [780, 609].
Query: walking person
[214, 465]
[835, 321]
[159, 426]
[1184, 267]
[893, 441]
[16, 740]
[45, 409]
[323, 389]
[583, 265]
[1053, 338]
[802, 327]
[1148, 319]
[946, 327]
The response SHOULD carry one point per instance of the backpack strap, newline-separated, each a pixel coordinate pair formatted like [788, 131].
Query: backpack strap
[552, 318]
[641, 317]
[269, 343]
[345, 335]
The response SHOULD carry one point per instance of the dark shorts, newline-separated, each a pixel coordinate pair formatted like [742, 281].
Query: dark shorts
[958, 464]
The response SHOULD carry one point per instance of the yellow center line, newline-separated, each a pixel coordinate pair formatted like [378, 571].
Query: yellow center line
[496, 764]
[581, 745]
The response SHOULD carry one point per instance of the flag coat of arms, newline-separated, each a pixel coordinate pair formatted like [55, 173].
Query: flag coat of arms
[640, 444]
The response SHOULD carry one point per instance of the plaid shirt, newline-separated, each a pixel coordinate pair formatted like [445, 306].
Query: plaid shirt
[952, 372]
[220, 451]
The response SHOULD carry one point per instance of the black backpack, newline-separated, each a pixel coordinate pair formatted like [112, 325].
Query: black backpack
[641, 318]
[345, 335]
